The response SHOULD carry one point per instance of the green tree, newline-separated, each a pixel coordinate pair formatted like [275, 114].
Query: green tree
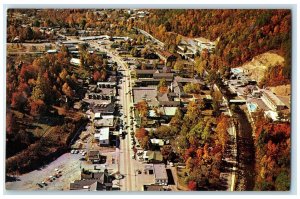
[38, 92]
[179, 66]
[162, 86]
[192, 88]
[282, 182]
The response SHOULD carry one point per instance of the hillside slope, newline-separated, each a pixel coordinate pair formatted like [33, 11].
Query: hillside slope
[243, 35]
[260, 64]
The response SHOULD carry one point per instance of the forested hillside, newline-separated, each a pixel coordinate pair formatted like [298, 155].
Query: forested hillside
[242, 34]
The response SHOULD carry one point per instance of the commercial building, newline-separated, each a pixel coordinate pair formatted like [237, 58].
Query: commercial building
[160, 173]
[103, 136]
[272, 101]
[90, 181]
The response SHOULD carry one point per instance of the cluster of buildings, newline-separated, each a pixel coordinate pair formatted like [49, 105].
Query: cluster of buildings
[163, 106]
[189, 48]
[277, 108]
[93, 181]
[101, 99]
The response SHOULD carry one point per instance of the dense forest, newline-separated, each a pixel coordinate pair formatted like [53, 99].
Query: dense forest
[41, 92]
[273, 153]
[241, 34]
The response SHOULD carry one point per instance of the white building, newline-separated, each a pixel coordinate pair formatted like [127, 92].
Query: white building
[204, 43]
[97, 116]
[75, 61]
[103, 136]
[272, 101]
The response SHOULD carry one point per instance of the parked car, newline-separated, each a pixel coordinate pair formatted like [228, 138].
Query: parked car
[44, 183]
[72, 151]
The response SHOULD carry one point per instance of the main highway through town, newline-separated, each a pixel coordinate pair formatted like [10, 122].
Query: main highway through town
[125, 153]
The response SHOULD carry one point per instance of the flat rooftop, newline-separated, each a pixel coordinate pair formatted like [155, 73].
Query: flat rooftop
[160, 171]
[145, 93]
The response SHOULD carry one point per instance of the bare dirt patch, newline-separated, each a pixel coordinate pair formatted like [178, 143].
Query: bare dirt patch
[283, 90]
[259, 64]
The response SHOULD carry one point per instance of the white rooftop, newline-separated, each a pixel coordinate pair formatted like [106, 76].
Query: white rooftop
[97, 115]
[103, 134]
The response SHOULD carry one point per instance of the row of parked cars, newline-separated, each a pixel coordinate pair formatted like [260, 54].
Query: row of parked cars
[57, 174]
[75, 151]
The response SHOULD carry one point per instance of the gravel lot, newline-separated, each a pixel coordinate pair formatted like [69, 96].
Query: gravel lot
[68, 164]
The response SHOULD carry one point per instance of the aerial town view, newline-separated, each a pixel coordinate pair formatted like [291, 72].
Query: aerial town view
[148, 100]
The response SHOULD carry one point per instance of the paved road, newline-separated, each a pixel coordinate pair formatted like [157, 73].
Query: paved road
[126, 164]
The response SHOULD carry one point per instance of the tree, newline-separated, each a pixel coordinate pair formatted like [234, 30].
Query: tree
[36, 23]
[96, 76]
[18, 100]
[41, 89]
[135, 52]
[192, 185]
[142, 107]
[162, 86]
[141, 133]
[221, 131]
[193, 113]
[82, 23]
[37, 107]
[282, 182]
[179, 66]
[192, 88]
[67, 90]
[163, 132]
[63, 74]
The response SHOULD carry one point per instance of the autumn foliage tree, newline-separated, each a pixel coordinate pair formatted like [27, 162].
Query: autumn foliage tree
[192, 185]
[142, 107]
[67, 90]
[142, 135]
[222, 131]
[96, 76]
[273, 154]
[37, 107]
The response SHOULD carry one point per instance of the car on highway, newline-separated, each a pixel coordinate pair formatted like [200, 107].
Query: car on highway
[141, 159]
[123, 135]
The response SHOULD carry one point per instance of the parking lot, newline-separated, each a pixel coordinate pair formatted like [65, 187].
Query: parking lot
[68, 166]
